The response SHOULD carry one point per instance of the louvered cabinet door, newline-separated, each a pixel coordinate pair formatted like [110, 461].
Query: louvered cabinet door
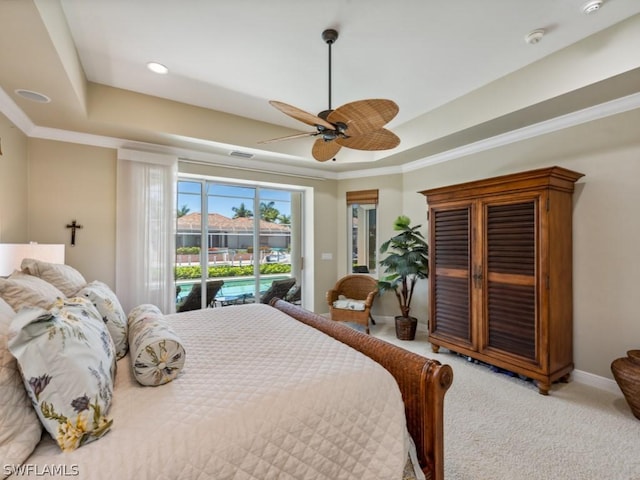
[450, 319]
[511, 325]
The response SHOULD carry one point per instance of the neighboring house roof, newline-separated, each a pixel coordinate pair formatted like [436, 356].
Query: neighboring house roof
[220, 223]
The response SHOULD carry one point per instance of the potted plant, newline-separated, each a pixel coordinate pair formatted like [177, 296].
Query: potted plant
[406, 262]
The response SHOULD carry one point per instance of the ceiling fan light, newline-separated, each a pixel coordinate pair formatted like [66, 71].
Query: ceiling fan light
[328, 136]
[341, 127]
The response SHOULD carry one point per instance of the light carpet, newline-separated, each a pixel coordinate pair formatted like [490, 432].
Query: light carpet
[499, 427]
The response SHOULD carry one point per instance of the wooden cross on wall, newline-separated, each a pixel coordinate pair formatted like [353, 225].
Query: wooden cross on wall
[73, 226]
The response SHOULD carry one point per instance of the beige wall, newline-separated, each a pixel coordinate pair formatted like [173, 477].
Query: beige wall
[606, 224]
[13, 183]
[75, 182]
[67, 181]
[390, 205]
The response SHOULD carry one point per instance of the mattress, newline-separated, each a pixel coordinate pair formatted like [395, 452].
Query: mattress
[261, 396]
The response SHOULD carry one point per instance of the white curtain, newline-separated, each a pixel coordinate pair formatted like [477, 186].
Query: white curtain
[145, 229]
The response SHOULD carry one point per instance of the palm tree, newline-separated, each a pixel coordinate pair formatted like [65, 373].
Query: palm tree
[284, 219]
[407, 261]
[241, 211]
[183, 210]
[269, 212]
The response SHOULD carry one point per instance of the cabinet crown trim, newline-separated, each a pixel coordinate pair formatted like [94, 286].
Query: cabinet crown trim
[557, 178]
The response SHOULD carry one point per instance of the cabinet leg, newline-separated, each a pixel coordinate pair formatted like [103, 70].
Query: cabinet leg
[435, 348]
[543, 388]
[565, 378]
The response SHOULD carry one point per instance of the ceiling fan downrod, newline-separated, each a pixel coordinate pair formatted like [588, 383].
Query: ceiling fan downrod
[329, 36]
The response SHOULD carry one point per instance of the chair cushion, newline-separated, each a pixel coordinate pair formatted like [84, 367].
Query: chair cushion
[345, 303]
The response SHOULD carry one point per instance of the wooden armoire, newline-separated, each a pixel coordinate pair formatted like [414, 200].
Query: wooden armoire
[501, 272]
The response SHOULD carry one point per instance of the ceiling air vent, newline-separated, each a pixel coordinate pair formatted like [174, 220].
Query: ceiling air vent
[237, 153]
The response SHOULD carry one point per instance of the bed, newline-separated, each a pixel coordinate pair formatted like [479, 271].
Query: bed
[262, 395]
[422, 382]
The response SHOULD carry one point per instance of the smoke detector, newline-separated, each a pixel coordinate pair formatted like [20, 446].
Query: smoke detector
[534, 36]
[592, 6]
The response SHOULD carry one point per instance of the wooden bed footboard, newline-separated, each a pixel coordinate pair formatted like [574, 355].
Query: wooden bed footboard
[423, 383]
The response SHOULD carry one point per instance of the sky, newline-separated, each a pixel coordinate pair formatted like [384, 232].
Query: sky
[222, 198]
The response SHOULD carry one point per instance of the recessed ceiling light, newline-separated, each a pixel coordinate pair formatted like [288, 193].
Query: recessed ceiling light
[33, 96]
[156, 67]
[592, 7]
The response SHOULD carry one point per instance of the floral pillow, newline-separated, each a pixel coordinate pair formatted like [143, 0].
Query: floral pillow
[20, 429]
[67, 360]
[22, 290]
[64, 277]
[111, 311]
[157, 354]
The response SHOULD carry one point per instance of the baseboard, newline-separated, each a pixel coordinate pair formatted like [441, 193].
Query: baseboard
[421, 327]
[579, 376]
[597, 381]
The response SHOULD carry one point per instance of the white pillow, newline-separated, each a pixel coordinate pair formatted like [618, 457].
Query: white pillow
[108, 306]
[64, 277]
[157, 355]
[22, 290]
[20, 429]
[67, 360]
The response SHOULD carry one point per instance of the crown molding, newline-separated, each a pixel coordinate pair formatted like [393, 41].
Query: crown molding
[579, 117]
[9, 108]
[14, 113]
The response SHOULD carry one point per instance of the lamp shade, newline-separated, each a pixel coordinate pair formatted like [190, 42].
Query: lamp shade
[12, 254]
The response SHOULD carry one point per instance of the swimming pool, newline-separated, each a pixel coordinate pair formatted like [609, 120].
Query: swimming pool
[233, 288]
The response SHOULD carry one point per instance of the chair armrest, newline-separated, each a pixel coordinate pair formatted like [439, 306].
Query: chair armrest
[332, 296]
[369, 300]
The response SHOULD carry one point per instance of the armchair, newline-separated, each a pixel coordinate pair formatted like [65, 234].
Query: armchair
[351, 298]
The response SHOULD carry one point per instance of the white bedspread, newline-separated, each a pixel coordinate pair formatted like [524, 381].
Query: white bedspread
[261, 396]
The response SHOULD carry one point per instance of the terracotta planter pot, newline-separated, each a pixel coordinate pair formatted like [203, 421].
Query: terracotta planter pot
[406, 327]
[626, 371]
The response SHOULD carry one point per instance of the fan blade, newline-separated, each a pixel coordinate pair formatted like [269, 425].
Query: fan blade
[301, 115]
[324, 150]
[381, 139]
[363, 116]
[289, 137]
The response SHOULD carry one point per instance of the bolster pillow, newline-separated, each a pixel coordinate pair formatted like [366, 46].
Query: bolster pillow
[157, 354]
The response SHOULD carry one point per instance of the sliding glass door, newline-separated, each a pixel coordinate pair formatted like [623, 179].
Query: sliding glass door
[242, 235]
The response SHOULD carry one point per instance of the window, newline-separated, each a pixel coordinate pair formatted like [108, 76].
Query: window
[244, 235]
[362, 227]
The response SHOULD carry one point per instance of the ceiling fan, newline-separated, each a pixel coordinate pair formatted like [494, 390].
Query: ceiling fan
[358, 125]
